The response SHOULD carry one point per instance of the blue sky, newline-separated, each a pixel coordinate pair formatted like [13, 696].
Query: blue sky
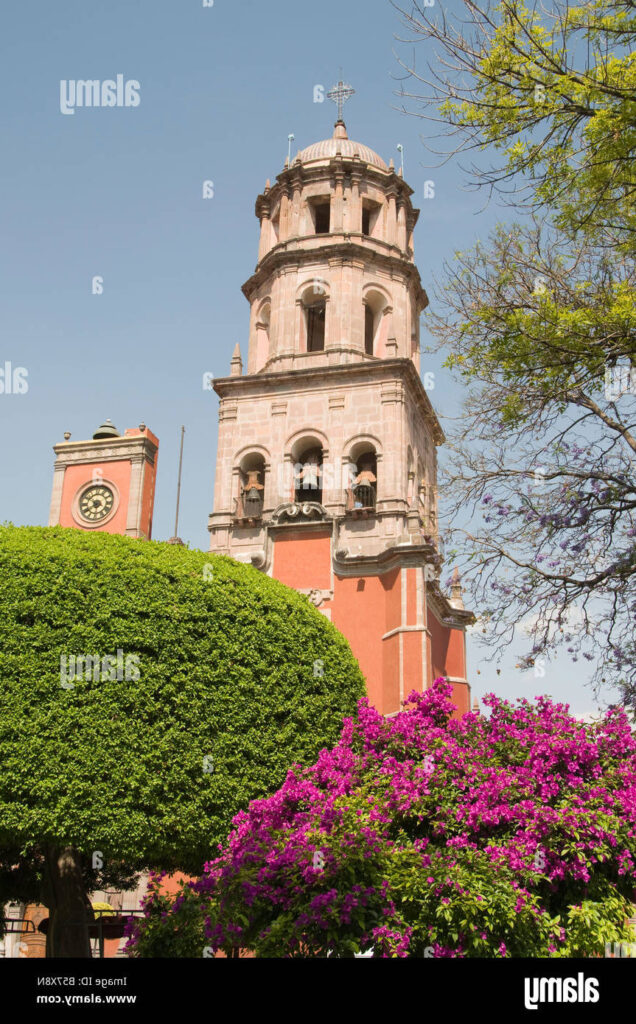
[117, 193]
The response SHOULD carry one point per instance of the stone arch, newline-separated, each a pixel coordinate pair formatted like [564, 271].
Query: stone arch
[250, 482]
[248, 449]
[312, 298]
[377, 308]
[305, 456]
[313, 287]
[295, 441]
[357, 442]
[263, 333]
[361, 461]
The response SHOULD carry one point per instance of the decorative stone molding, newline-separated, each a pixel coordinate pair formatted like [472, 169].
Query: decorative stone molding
[255, 558]
[228, 411]
[66, 458]
[391, 393]
[305, 511]
[317, 596]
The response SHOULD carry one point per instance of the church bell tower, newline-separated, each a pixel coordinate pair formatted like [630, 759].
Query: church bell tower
[326, 468]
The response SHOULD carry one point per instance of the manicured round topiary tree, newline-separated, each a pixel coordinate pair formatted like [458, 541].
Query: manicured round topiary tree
[421, 835]
[147, 694]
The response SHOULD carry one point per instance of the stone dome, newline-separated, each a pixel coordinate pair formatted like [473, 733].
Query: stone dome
[340, 142]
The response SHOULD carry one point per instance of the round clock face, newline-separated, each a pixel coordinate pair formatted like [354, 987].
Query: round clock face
[96, 503]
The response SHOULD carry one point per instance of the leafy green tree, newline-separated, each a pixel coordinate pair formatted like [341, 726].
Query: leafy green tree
[548, 92]
[147, 694]
[540, 321]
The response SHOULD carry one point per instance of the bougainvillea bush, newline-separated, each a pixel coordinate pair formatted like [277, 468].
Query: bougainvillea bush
[507, 834]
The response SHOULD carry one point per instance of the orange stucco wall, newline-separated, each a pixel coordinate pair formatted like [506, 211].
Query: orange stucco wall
[448, 658]
[303, 560]
[364, 609]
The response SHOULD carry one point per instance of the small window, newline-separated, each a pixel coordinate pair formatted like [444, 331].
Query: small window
[322, 218]
[316, 326]
[368, 329]
[370, 218]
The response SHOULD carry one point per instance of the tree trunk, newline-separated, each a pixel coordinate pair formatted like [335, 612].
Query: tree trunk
[69, 908]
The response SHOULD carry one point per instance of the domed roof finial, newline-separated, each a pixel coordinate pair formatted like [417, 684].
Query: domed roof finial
[105, 431]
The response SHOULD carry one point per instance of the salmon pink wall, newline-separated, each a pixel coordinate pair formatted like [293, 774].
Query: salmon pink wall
[364, 609]
[303, 560]
[412, 661]
[447, 658]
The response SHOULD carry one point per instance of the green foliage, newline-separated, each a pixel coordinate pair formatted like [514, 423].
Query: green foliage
[554, 92]
[539, 321]
[238, 677]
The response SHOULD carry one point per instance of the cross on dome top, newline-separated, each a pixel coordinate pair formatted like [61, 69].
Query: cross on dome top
[339, 94]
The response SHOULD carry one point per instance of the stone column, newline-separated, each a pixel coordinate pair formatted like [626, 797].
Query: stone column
[56, 496]
[284, 214]
[269, 502]
[337, 204]
[355, 203]
[265, 240]
[295, 205]
[388, 342]
[135, 497]
[236, 488]
[300, 333]
[391, 233]
[401, 224]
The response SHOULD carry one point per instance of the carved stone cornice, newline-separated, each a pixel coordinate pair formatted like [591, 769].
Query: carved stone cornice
[383, 371]
[291, 254]
[74, 452]
[84, 455]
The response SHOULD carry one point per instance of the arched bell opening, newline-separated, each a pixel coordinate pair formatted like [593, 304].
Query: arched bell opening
[250, 501]
[362, 493]
[308, 473]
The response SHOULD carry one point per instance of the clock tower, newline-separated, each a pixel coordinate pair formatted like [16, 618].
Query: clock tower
[326, 473]
[107, 483]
